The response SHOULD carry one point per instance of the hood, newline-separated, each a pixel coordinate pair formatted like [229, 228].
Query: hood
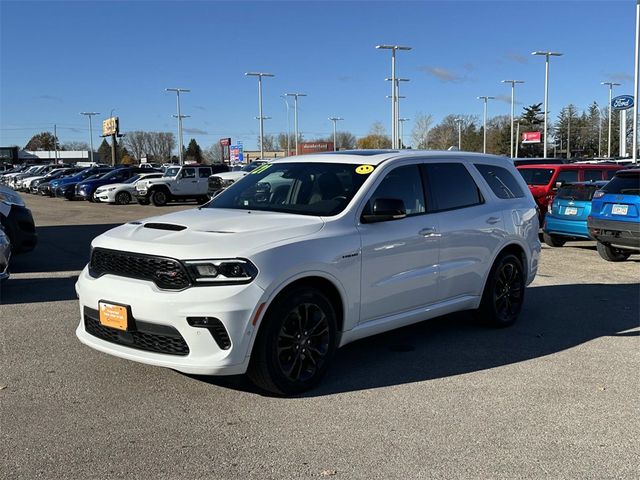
[208, 233]
[230, 175]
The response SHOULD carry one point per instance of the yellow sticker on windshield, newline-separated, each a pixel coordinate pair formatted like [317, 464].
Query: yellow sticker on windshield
[364, 169]
[261, 168]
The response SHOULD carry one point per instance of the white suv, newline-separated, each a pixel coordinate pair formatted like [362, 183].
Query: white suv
[307, 254]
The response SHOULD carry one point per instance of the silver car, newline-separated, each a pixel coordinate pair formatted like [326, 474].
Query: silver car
[5, 254]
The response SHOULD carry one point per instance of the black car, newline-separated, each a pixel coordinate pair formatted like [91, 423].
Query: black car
[17, 221]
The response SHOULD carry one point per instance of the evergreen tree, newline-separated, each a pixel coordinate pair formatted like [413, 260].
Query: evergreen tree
[193, 152]
[104, 151]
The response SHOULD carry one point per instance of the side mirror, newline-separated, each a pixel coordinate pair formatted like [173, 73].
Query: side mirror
[385, 209]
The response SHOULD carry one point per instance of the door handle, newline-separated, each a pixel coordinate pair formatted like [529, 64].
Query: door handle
[493, 220]
[429, 232]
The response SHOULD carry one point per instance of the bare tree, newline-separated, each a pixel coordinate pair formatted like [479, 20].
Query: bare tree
[345, 140]
[137, 142]
[377, 129]
[420, 132]
[270, 143]
[213, 154]
[75, 146]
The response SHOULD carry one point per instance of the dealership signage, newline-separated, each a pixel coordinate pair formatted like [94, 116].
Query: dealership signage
[622, 102]
[531, 137]
[110, 126]
[237, 153]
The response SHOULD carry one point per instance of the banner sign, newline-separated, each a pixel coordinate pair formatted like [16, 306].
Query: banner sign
[622, 102]
[531, 137]
[110, 126]
[237, 154]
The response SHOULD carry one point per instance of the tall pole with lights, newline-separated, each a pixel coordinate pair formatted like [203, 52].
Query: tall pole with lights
[546, 92]
[402, 120]
[513, 91]
[284, 97]
[90, 114]
[636, 65]
[260, 117]
[179, 116]
[334, 120]
[459, 122]
[295, 113]
[484, 136]
[394, 95]
[610, 85]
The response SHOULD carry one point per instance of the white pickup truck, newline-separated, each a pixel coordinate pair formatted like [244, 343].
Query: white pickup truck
[188, 182]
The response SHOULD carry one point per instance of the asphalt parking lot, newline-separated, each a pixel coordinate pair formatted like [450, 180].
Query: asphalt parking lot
[555, 396]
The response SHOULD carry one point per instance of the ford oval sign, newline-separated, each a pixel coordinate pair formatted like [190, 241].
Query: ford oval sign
[622, 102]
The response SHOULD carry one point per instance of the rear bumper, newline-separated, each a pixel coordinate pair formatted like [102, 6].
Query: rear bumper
[568, 228]
[20, 229]
[615, 232]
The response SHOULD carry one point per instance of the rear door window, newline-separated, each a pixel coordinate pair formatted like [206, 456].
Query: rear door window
[536, 176]
[566, 176]
[204, 172]
[592, 175]
[503, 184]
[450, 186]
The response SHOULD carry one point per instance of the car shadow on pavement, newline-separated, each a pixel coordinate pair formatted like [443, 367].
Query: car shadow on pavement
[48, 273]
[554, 318]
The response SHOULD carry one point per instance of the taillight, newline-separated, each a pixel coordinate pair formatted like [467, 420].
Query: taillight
[598, 194]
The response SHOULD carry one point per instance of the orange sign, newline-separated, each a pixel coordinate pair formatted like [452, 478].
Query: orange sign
[113, 316]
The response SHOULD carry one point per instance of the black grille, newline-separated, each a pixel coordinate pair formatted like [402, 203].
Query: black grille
[166, 273]
[143, 336]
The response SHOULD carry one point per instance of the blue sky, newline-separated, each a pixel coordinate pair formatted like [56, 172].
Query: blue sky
[60, 58]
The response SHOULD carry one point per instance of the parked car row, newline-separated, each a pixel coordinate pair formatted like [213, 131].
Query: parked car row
[588, 202]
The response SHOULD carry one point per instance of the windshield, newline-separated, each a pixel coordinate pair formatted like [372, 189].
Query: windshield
[172, 172]
[133, 179]
[624, 185]
[252, 166]
[536, 176]
[576, 192]
[321, 189]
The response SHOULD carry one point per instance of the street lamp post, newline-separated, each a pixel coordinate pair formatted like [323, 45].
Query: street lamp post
[394, 98]
[260, 117]
[636, 87]
[402, 120]
[517, 120]
[397, 111]
[610, 85]
[179, 116]
[484, 136]
[459, 122]
[513, 91]
[334, 120]
[295, 113]
[546, 92]
[284, 97]
[90, 114]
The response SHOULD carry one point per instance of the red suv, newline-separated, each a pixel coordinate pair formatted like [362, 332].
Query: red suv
[543, 180]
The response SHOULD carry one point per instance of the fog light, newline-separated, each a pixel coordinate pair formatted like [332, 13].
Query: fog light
[207, 270]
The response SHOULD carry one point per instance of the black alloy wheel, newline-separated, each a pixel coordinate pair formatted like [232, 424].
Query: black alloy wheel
[295, 345]
[504, 292]
[159, 198]
[123, 198]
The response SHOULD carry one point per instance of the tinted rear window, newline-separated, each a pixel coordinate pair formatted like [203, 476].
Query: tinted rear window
[450, 185]
[624, 185]
[576, 192]
[503, 184]
[536, 176]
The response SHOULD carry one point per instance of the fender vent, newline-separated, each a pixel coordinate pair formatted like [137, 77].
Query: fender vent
[165, 226]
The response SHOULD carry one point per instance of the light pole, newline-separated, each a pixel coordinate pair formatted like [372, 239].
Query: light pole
[397, 111]
[179, 116]
[334, 120]
[459, 122]
[90, 114]
[402, 120]
[484, 136]
[394, 99]
[284, 97]
[260, 117]
[610, 85]
[517, 120]
[295, 113]
[546, 93]
[634, 155]
[513, 91]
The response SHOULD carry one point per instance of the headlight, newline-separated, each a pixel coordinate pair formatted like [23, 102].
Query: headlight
[222, 271]
[11, 198]
[111, 189]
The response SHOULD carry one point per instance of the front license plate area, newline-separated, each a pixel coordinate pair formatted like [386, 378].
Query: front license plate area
[113, 316]
[620, 209]
[571, 211]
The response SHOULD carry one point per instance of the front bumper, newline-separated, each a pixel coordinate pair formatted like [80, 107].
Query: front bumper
[233, 305]
[616, 233]
[105, 197]
[141, 194]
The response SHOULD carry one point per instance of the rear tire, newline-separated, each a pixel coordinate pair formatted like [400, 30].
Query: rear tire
[503, 294]
[295, 343]
[159, 198]
[553, 240]
[123, 198]
[612, 254]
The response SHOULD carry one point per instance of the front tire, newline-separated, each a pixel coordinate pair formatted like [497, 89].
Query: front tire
[611, 254]
[504, 292]
[295, 343]
[159, 198]
[553, 240]
[123, 198]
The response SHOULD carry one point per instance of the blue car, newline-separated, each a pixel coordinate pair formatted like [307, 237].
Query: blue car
[615, 216]
[567, 215]
[60, 187]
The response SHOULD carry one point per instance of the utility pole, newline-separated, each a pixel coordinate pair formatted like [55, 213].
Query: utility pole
[610, 85]
[295, 113]
[260, 117]
[90, 114]
[334, 120]
[459, 122]
[546, 92]
[394, 93]
[179, 116]
[513, 90]
[55, 141]
[484, 137]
